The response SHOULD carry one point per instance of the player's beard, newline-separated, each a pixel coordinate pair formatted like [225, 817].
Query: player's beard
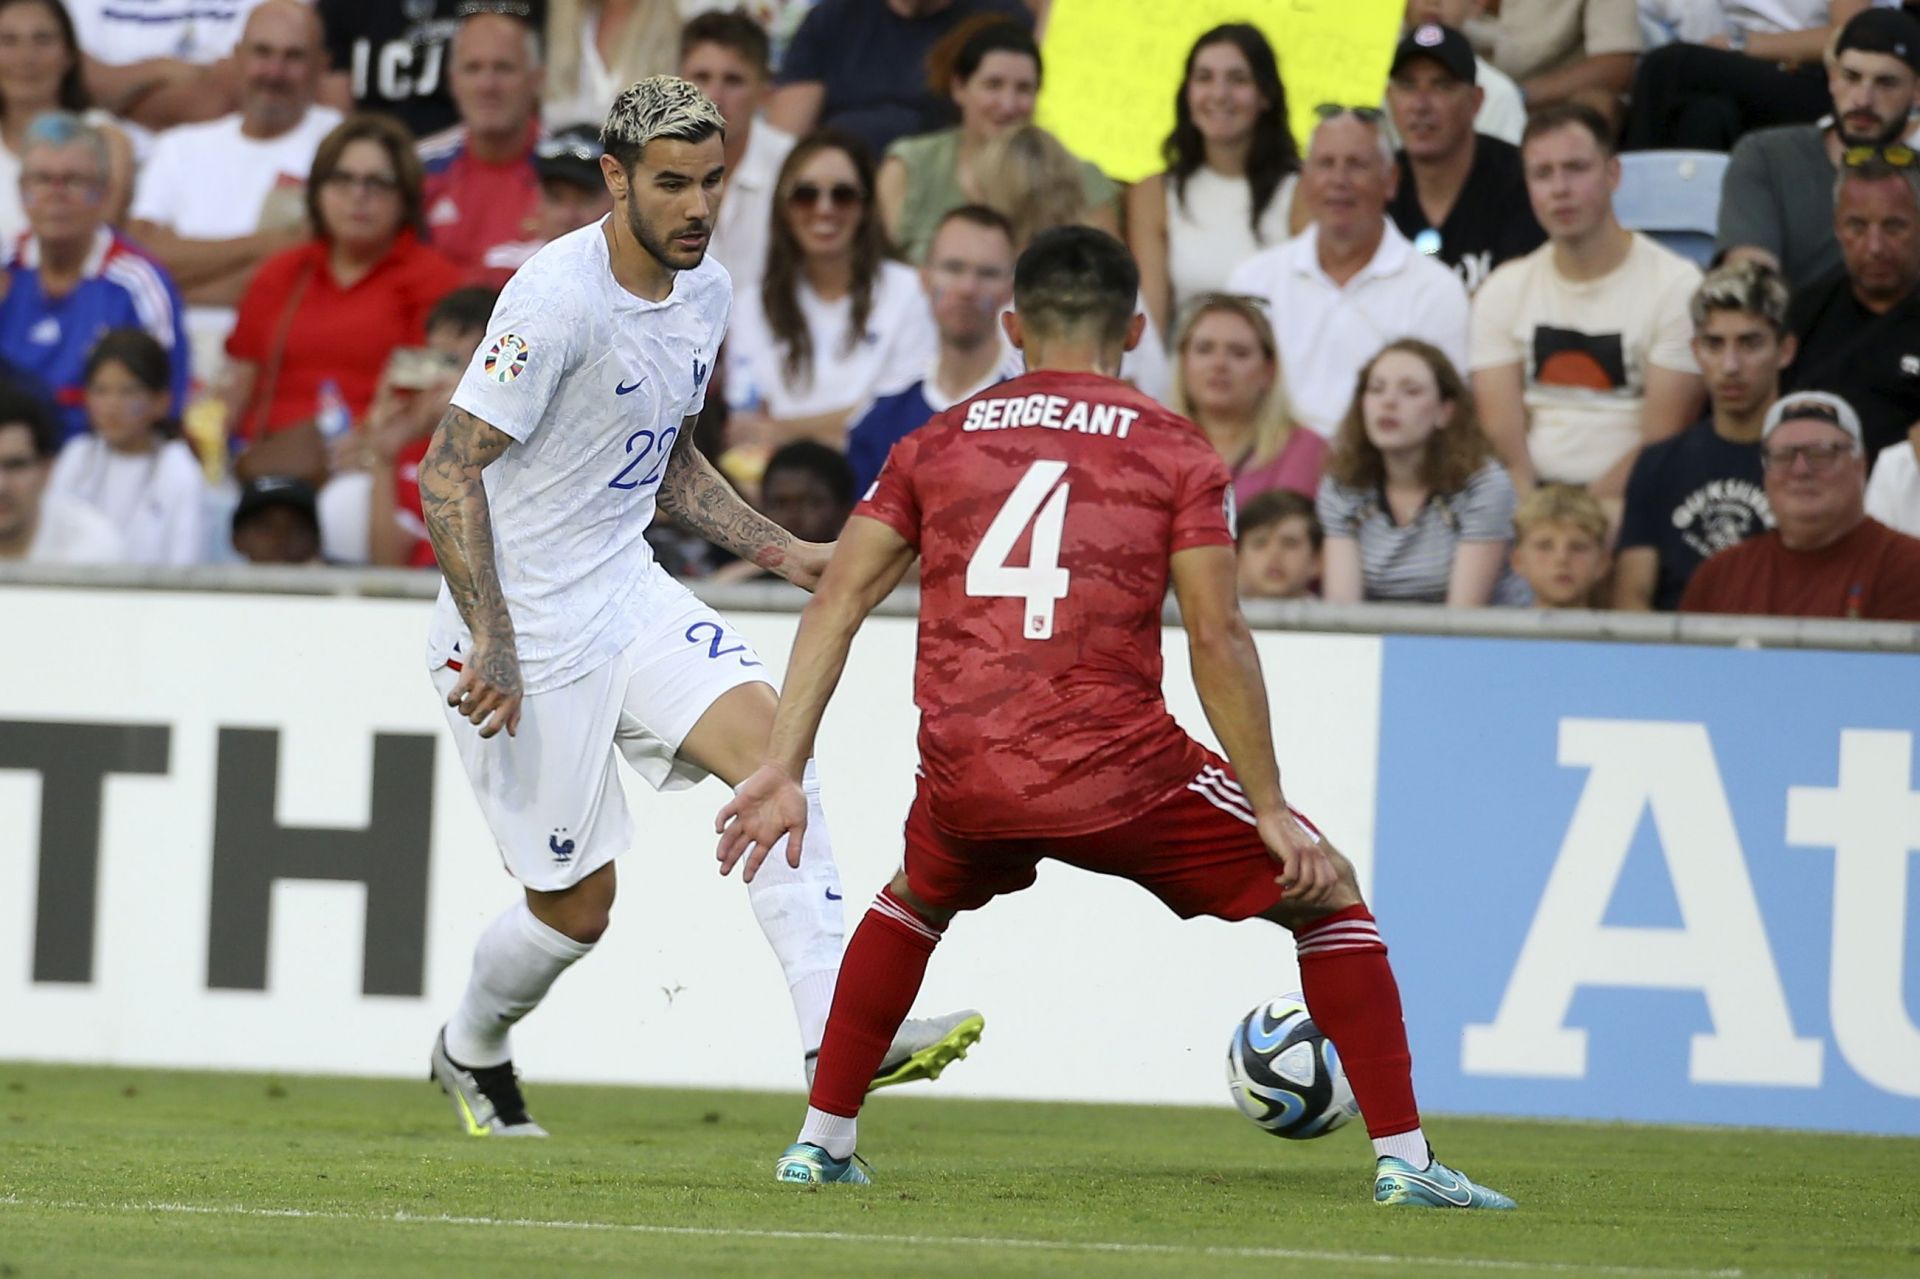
[662, 247]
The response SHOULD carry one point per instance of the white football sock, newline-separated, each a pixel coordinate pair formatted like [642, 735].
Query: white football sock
[1410, 1146]
[515, 963]
[801, 914]
[832, 1133]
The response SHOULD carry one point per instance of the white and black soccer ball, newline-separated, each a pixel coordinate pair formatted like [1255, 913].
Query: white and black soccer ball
[1285, 1075]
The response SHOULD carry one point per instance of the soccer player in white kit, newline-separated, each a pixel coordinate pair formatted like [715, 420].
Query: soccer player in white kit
[571, 424]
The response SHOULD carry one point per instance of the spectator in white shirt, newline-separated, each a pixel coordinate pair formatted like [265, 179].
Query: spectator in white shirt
[726, 55]
[835, 323]
[37, 527]
[1350, 283]
[1893, 493]
[1582, 350]
[131, 467]
[162, 62]
[218, 199]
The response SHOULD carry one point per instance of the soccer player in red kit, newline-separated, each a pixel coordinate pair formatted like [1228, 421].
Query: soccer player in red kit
[1049, 515]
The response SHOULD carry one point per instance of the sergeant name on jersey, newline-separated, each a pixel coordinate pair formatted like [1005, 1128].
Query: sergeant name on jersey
[1055, 412]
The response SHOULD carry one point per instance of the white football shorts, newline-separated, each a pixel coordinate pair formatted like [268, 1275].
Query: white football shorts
[551, 794]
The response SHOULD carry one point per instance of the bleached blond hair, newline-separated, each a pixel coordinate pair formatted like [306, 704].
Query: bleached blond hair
[661, 106]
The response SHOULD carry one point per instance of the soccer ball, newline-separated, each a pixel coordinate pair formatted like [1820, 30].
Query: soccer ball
[1285, 1075]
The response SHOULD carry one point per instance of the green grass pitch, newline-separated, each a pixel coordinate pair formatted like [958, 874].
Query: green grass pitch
[121, 1172]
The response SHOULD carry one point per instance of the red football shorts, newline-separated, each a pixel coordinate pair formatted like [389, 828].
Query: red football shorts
[1197, 851]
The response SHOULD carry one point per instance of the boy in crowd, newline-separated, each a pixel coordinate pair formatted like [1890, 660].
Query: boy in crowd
[1278, 547]
[1560, 545]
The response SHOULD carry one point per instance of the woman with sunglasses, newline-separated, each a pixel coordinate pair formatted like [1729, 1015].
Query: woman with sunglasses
[835, 323]
[990, 68]
[316, 325]
[1232, 169]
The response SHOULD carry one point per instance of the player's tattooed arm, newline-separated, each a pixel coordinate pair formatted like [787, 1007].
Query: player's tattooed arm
[460, 524]
[702, 501]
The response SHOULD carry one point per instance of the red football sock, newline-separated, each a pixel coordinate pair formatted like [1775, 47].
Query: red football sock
[1354, 999]
[880, 976]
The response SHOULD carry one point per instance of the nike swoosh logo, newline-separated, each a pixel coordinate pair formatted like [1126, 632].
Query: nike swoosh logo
[833, 896]
[1446, 1190]
[629, 390]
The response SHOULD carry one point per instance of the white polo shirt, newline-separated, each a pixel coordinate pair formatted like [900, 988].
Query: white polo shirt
[1328, 331]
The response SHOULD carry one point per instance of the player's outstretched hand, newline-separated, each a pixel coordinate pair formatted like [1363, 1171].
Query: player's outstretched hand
[768, 804]
[488, 691]
[1306, 872]
[807, 563]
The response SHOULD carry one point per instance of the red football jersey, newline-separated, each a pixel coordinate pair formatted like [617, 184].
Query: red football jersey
[1045, 512]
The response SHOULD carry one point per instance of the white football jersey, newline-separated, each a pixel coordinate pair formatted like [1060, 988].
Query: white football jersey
[592, 384]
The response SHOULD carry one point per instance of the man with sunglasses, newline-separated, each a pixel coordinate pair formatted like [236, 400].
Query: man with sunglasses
[1827, 557]
[1776, 201]
[1859, 328]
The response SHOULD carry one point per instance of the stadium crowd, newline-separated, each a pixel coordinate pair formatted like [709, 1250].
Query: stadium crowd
[251, 247]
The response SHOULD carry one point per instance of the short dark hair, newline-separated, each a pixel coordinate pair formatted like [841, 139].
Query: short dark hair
[732, 29]
[467, 309]
[17, 408]
[977, 215]
[1273, 507]
[1076, 277]
[810, 457]
[1561, 115]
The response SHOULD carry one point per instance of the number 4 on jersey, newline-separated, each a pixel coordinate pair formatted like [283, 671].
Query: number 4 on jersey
[1041, 582]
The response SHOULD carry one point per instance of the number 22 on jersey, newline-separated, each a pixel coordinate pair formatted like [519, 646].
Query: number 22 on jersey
[1041, 582]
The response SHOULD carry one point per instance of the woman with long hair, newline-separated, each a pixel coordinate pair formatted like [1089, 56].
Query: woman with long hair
[40, 72]
[596, 48]
[1232, 169]
[836, 322]
[130, 465]
[1227, 380]
[318, 321]
[990, 67]
[1414, 505]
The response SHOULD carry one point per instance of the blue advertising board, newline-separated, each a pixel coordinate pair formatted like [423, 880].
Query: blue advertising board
[1654, 882]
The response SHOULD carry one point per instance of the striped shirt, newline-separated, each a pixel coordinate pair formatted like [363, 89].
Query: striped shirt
[1411, 563]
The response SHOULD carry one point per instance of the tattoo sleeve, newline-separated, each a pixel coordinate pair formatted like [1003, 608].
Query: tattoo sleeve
[460, 524]
[697, 496]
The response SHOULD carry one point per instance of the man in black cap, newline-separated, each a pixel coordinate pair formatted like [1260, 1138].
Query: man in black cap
[1776, 204]
[572, 191]
[1462, 196]
[277, 522]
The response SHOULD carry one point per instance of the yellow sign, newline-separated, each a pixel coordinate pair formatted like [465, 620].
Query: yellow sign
[1113, 67]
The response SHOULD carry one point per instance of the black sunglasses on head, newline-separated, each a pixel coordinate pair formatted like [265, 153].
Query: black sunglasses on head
[1334, 110]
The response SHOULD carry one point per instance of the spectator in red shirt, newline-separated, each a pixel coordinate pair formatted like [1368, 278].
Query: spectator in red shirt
[483, 192]
[1827, 557]
[319, 321]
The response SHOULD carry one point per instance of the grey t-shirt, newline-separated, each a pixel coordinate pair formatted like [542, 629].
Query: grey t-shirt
[1778, 196]
[1412, 562]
